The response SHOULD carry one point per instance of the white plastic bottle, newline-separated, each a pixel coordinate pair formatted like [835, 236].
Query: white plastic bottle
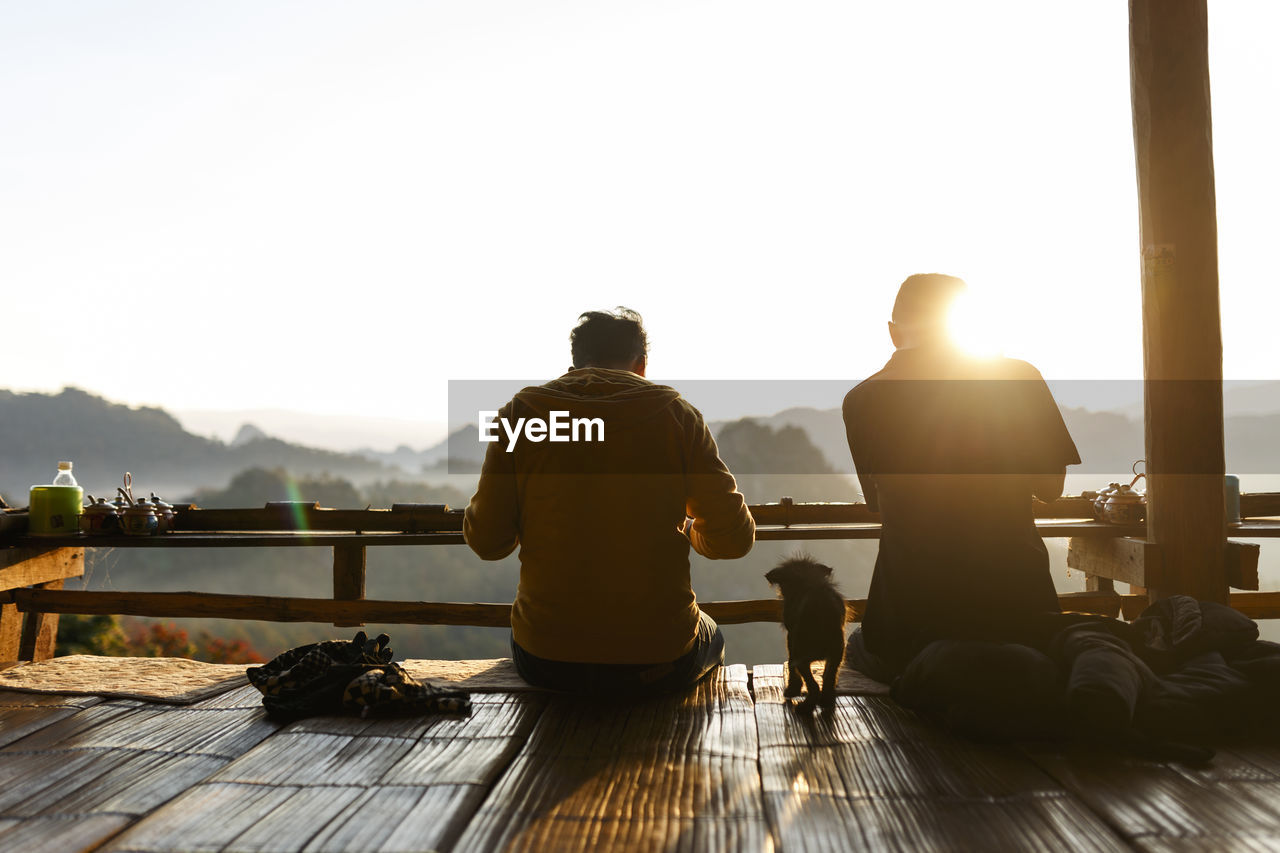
[65, 477]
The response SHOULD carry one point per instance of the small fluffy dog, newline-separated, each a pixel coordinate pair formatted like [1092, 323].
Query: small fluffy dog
[813, 614]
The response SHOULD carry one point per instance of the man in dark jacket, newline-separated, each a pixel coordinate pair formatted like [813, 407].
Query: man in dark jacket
[950, 450]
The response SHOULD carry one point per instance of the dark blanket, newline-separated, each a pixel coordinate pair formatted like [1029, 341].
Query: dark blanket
[356, 677]
[1184, 672]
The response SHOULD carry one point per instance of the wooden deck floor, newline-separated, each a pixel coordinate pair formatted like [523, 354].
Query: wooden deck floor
[723, 768]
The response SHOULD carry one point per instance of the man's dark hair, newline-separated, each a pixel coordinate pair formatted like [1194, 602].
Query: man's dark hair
[608, 339]
[925, 299]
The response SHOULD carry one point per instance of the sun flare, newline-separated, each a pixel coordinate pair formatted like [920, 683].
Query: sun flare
[976, 326]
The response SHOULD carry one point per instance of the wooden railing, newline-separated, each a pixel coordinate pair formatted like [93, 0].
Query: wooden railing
[32, 570]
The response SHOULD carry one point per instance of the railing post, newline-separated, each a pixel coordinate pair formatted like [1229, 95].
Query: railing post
[348, 577]
[42, 568]
[40, 632]
[1182, 335]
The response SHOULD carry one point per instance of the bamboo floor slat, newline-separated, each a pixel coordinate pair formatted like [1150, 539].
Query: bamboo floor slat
[1233, 803]
[719, 768]
[676, 773]
[340, 783]
[23, 713]
[873, 776]
[82, 777]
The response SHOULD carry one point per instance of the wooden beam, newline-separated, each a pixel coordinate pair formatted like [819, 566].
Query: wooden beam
[29, 566]
[262, 607]
[1122, 559]
[1242, 565]
[1094, 583]
[1259, 504]
[1257, 605]
[348, 577]
[1182, 337]
[291, 515]
[1138, 563]
[277, 609]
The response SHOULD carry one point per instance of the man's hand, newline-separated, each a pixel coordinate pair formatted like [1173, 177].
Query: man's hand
[1048, 487]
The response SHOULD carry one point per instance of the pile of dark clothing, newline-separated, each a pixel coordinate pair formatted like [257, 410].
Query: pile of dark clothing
[340, 677]
[1183, 673]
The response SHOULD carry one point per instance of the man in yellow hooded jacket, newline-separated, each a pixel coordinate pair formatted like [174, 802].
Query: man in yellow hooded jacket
[604, 523]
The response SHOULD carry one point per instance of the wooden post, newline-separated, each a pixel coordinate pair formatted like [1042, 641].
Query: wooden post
[44, 569]
[10, 631]
[1182, 336]
[348, 576]
[40, 631]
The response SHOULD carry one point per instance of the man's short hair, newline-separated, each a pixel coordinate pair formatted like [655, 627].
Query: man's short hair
[924, 300]
[608, 339]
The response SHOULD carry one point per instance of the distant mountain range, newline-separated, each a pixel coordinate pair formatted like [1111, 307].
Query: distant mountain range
[106, 439]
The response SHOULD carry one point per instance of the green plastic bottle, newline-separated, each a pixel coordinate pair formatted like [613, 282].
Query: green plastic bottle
[55, 509]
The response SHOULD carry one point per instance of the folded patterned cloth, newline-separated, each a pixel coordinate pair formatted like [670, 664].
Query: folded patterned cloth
[337, 677]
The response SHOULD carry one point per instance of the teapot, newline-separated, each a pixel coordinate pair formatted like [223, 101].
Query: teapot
[164, 514]
[140, 520]
[1125, 506]
[100, 518]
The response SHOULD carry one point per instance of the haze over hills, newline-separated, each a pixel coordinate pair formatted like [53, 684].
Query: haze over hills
[344, 433]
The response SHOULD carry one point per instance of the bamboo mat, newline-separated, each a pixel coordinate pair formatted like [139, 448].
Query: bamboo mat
[79, 779]
[873, 775]
[175, 681]
[665, 774]
[497, 675]
[342, 783]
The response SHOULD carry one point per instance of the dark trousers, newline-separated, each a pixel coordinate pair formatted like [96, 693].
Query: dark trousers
[623, 679]
[869, 663]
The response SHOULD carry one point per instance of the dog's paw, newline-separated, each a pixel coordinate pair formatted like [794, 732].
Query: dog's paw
[828, 703]
[806, 707]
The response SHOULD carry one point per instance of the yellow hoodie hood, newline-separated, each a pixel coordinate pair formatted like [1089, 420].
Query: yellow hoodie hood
[623, 399]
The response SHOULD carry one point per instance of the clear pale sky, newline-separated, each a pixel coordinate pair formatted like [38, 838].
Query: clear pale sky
[335, 207]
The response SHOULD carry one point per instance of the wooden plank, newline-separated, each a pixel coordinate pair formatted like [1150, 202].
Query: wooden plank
[1259, 504]
[280, 609]
[874, 776]
[10, 631]
[27, 566]
[1257, 605]
[1130, 560]
[676, 772]
[1242, 565]
[1093, 583]
[40, 631]
[286, 515]
[263, 607]
[1049, 529]
[1182, 336]
[348, 577]
[345, 784]
[279, 539]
